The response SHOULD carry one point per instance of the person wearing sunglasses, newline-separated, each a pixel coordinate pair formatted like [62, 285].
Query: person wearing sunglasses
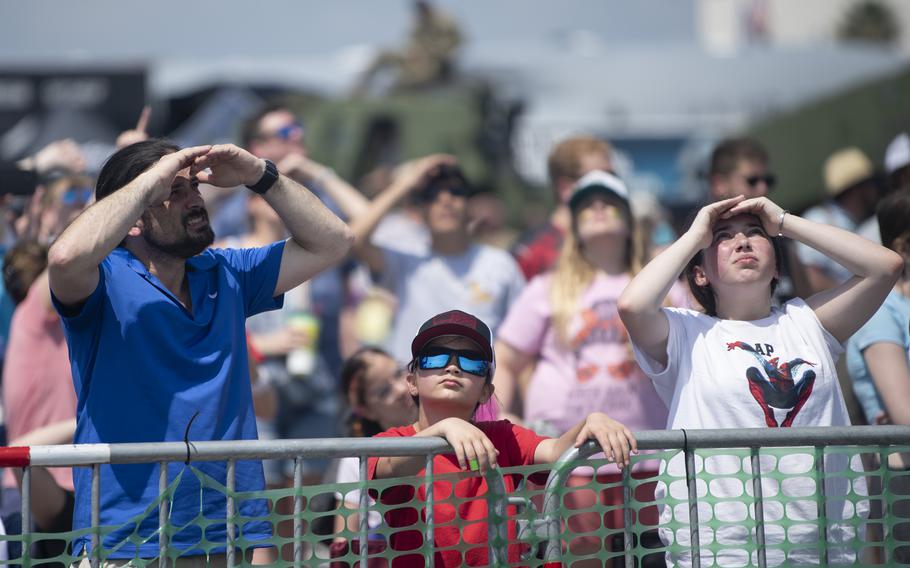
[58, 199]
[456, 273]
[310, 407]
[741, 166]
[276, 133]
[450, 375]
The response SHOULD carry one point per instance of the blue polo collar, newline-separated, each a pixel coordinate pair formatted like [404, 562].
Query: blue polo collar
[202, 262]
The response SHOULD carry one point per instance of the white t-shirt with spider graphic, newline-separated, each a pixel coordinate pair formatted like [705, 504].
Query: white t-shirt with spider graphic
[775, 372]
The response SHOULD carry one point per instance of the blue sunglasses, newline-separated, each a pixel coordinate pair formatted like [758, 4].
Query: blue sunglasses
[471, 362]
[288, 131]
[76, 196]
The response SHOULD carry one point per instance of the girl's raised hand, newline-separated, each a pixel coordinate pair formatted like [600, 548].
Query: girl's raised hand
[766, 210]
[703, 225]
[472, 447]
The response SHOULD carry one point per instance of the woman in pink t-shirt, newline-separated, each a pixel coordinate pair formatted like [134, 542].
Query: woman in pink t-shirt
[566, 323]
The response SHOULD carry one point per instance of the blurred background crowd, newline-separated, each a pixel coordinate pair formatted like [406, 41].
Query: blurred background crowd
[686, 101]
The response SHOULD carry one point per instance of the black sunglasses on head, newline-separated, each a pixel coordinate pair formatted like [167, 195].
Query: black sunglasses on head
[769, 179]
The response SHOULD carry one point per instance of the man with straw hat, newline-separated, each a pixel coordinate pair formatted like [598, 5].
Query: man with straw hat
[852, 194]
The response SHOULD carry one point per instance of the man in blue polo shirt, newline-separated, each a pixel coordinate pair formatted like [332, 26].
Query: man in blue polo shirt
[155, 326]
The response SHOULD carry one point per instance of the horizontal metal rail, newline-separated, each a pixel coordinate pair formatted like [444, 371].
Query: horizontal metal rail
[88, 454]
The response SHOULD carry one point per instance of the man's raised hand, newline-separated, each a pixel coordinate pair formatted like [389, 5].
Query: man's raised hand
[227, 165]
[166, 169]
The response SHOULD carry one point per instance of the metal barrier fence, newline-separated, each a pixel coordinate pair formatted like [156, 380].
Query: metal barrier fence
[543, 531]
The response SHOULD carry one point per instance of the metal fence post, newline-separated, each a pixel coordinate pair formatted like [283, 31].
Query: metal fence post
[429, 543]
[497, 519]
[551, 504]
[96, 516]
[162, 515]
[887, 511]
[691, 478]
[298, 513]
[363, 508]
[26, 529]
[758, 497]
[820, 503]
[627, 538]
[230, 513]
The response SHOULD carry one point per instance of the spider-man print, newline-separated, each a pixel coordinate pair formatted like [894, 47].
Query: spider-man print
[775, 387]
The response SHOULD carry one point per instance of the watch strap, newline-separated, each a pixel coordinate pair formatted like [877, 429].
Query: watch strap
[268, 179]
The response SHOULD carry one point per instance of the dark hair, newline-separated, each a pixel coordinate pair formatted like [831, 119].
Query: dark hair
[445, 177]
[352, 374]
[412, 368]
[21, 266]
[249, 131]
[731, 151]
[893, 213]
[127, 163]
[895, 180]
[705, 294]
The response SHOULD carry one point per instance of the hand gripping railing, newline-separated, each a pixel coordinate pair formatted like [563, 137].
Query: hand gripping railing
[94, 455]
[689, 441]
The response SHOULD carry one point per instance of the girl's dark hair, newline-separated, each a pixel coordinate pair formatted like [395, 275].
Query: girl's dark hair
[352, 374]
[893, 214]
[22, 264]
[705, 294]
[412, 368]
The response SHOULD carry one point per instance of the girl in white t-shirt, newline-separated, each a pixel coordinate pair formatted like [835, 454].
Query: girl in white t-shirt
[744, 364]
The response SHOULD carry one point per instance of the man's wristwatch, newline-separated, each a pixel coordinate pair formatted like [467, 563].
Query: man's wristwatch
[268, 179]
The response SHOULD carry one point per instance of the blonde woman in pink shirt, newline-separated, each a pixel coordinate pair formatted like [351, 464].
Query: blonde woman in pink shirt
[566, 325]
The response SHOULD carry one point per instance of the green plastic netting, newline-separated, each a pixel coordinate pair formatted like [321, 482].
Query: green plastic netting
[852, 510]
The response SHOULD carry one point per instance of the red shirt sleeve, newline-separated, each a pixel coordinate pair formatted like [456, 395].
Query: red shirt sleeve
[528, 440]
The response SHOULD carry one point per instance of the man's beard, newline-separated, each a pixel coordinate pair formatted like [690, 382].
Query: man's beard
[189, 246]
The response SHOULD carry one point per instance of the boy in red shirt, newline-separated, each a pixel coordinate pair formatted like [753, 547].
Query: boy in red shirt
[450, 375]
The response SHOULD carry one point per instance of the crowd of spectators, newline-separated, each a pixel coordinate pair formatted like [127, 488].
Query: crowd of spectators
[327, 363]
